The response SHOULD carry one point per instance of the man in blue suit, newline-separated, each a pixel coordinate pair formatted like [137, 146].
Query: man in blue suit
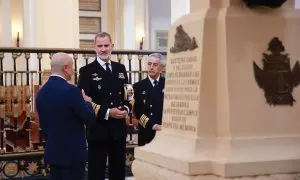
[63, 111]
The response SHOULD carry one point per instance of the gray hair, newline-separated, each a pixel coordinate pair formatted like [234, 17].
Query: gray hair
[102, 35]
[161, 58]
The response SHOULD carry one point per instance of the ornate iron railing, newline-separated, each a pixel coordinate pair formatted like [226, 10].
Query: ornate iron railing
[22, 72]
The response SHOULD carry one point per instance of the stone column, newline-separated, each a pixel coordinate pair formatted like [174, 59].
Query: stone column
[5, 23]
[29, 23]
[42, 28]
[134, 23]
[231, 106]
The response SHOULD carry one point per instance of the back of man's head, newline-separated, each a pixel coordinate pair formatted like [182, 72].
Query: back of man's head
[58, 61]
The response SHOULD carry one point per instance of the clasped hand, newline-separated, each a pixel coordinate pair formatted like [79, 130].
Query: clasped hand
[118, 113]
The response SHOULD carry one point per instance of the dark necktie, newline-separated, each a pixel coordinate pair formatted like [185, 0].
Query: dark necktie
[155, 84]
[107, 68]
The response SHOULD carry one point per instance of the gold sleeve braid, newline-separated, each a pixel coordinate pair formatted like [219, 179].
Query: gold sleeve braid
[125, 94]
[143, 120]
[96, 107]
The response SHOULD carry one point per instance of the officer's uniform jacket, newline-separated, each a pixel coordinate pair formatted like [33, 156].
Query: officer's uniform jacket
[106, 91]
[148, 107]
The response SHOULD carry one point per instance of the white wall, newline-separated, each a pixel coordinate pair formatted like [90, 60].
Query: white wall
[16, 21]
[129, 23]
[297, 4]
[50, 24]
[179, 8]
[57, 23]
[158, 24]
[5, 22]
[159, 18]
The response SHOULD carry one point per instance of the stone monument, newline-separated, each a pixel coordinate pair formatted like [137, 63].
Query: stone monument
[232, 101]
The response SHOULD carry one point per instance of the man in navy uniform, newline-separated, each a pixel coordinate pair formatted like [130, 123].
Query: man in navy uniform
[148, 95]
[63, 110]
[103, 80]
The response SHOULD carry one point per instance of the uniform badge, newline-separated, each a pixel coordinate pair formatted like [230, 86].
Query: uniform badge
[95, 74]
[121, 76]
[97, 79]
[128, 92]
[99, 87]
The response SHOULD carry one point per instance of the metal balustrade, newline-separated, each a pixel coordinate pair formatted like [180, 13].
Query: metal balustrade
[22, 72]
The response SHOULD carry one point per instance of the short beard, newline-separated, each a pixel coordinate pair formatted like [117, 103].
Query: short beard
[267, 3]
[104, 56]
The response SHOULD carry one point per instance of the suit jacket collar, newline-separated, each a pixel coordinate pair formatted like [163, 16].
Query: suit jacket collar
[112, 64]
[113, 67]
[160, 80]
[57, 78]
[102, 63]
[97, 66]
[56, 75]
[148, 83]
[152, 80]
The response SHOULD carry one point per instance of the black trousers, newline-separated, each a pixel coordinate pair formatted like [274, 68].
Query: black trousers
[99, 151]
[71, 172]
[145, 136]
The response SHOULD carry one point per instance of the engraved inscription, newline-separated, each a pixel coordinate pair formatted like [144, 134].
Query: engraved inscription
[182, 94]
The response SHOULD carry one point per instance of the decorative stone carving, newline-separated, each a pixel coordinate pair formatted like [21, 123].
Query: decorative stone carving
[183, 41]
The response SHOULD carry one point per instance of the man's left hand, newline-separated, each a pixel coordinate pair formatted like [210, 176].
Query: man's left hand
[85, 97]
[157, 127]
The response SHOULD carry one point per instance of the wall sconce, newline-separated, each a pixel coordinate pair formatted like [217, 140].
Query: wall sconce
[18, 44]
[18, 39]
[142, 43]
[17, 35]
[140, 34]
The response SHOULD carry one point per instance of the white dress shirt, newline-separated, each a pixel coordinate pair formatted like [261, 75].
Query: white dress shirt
[103, 63]
[152, 80]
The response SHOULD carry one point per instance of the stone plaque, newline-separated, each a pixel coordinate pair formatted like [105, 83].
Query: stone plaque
[181, 108]
[90, 5]
[89, 25]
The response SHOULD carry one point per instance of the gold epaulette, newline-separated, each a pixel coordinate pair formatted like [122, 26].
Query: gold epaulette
[143, 120]
[96, 107]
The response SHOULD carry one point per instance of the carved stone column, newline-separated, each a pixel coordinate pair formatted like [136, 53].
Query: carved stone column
[42, 28]
[231, 107]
